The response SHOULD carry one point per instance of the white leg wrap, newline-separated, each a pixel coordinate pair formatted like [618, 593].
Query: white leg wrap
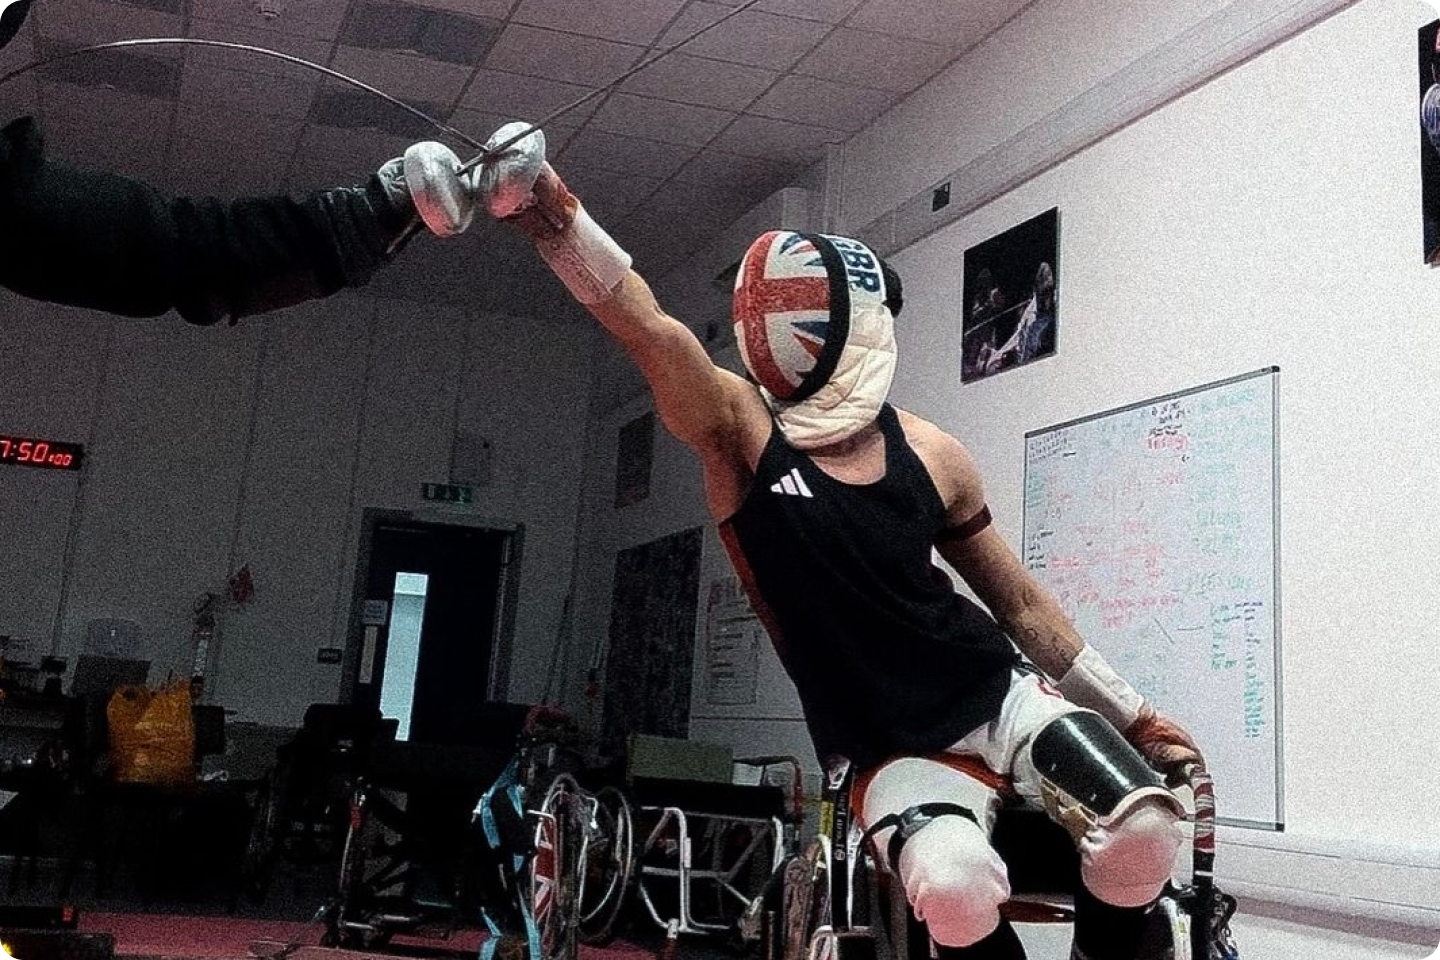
[955, 881]
[1126, 862]
[585, 258]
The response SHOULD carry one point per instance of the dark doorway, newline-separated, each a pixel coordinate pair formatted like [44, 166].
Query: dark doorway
[427, 627]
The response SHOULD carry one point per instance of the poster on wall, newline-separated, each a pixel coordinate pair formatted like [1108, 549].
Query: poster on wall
[634, 457]
[1430, 139]
[733, 634]
[650, 660]
[1011, 295]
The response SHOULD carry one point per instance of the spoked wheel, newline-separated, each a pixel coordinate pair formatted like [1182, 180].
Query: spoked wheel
[608, 860]
[555, 869]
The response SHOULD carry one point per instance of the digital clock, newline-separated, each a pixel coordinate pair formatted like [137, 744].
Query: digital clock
[39, 452]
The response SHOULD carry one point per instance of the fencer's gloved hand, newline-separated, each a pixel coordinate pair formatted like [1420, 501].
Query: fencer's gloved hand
[426, 183]
[521, 188]
[1164, 744]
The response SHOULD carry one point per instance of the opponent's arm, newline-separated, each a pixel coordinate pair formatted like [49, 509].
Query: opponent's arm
[1039, 626]
[101, 241]
[694, 398]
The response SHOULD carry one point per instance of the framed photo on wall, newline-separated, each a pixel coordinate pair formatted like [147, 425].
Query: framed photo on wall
[1011, 298]
[1430, 140]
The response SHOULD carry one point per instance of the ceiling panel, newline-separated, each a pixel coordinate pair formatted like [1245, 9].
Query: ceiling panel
[526, 98]
[197, 169]
[403, 75]
[318, 19]
[482, 125]
[251, 92]
[628, 21]
[897, 64]
[100, 21]
[627, 155]
[215, 58]
[753, 38]
[959, 25]
[360, 152]
[707, 83]
[752, 136]
[560, 56]
[236, 128]
[661, 120]
[823, 104]
[825, 11]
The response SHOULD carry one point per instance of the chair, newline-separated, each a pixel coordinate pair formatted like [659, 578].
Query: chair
[708, 842]
[863, 900]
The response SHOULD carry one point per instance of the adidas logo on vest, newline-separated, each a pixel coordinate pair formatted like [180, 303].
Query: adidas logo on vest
[792, 484]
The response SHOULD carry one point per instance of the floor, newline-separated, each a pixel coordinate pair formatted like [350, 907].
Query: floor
[205, 923]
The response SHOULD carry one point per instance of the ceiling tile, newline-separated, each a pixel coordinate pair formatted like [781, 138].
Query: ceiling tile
[404, 76]
[489, 9]
[897, 64]
[608, 196]
[311, 173]
[482, 125]
[93, 21]
[746, 177]
[822, 103]
[709, 83]
[628, 155]
[777, 139]
[112, 114]
[526, 98]
[216, 58]
[343, 106]
[82, 142]
[405, 28]
[154, 73]
[288, 96]
[198, 121]
[319, 19]
[361, 152]
[560, 56]
[21, 48]
[627, 21]
[208, 169]
[661, 120]
[18, 98]
[957, 26]
[825, 11]
[757, 39]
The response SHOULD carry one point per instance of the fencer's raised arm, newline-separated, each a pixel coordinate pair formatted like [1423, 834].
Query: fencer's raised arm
[692, 396]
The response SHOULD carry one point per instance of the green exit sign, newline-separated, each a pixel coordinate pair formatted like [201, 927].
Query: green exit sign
[447, 492]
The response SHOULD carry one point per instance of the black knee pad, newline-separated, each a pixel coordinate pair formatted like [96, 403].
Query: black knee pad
[1089, 773]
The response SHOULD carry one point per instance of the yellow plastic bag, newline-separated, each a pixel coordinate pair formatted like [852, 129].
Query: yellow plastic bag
[152, 734]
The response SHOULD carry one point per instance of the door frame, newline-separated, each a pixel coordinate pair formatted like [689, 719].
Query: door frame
[502, 642]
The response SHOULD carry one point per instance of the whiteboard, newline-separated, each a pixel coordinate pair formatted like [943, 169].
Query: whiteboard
[1156, 528]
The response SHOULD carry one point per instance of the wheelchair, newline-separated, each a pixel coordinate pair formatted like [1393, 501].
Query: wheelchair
[838, 902]
[539, 862]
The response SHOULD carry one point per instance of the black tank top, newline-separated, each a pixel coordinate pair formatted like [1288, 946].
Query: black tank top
[887, 658]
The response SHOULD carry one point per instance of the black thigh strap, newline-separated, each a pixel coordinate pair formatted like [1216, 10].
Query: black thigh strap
[910, 822]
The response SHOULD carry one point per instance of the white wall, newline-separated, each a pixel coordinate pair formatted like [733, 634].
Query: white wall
[261, 444]
[1269, 217]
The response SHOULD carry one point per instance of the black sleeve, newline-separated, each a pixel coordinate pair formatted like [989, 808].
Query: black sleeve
[101, 241]
[12, 15]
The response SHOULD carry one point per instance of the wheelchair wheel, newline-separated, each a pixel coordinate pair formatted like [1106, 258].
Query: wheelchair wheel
[1167, 937]
[555, 869]
[261, 845]
[608, 861]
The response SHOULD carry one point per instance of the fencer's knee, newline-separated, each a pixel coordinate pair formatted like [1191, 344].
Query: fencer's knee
[1127, 861]
[954, 880]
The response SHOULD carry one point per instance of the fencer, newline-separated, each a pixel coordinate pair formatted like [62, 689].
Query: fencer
[829, 501]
